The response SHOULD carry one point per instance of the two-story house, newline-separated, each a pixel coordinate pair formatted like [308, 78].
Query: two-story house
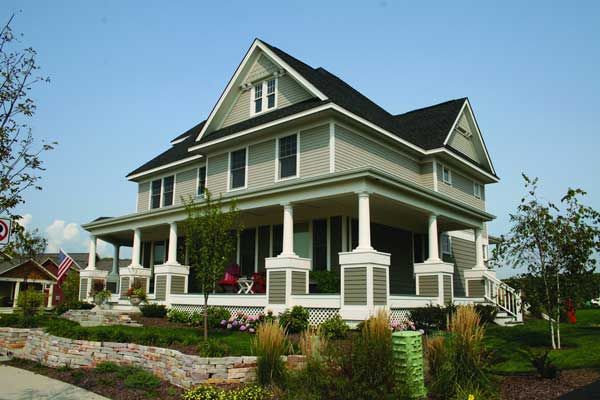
[325, 180]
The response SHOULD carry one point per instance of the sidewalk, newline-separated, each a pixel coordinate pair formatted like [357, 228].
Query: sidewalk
[19, 384]
[591, 391]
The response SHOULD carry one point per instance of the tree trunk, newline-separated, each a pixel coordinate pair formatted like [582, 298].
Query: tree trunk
[551, 331]
[558, 310]
[205, 316]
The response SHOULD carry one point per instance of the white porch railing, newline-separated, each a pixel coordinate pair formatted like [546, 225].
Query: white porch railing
[503, 296]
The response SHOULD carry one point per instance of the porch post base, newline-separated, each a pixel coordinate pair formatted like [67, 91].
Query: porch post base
[435, 279]
[86, 281]
[364, 283]
[112, 283]
[475, 281]
[129, 274]
[170, 279]
[286, 276]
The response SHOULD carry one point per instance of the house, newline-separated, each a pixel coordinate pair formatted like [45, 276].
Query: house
[326, 180]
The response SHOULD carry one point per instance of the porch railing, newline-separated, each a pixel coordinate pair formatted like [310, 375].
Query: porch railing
[503, 296]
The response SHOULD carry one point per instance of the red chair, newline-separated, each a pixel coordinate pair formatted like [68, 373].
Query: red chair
[260, 284]
[230, 280]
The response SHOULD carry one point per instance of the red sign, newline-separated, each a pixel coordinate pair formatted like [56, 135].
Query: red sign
[4, 231]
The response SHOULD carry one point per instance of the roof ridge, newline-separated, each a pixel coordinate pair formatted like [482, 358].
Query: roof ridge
[431, 106]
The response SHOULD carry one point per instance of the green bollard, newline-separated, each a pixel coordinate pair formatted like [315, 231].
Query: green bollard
[408, 360]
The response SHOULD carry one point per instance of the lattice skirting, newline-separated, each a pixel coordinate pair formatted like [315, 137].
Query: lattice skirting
[248, 310]
[399, 315]
[319, 315]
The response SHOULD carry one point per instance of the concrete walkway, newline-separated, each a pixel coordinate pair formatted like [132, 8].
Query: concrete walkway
[591, 391]
[19, 384]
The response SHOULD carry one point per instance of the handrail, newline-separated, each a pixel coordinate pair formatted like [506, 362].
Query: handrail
[503, 296]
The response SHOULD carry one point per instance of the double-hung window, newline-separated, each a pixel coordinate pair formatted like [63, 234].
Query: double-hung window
[446, 175]
[446, 245]
[237, 168]
[477, 190]
[288, 156]
[161, 192]
[201, 181]
[265, 95]
[168, 186]
[155, 193]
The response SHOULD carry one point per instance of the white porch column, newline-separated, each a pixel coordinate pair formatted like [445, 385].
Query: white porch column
[434, 252]
[92, 254]
[137, 246]
[479, 263]
[115, 265]
[50, 295]
[16, 296]
[172, 255]
[364, 222]
[288, 231]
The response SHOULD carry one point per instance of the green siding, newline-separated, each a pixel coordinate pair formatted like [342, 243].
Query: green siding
[160, 291]
[427, 177]
[468, 146]
[353, 151]
[476, 288]
[143, 198]
[355, 286]
[186, 185]
[290, 92]
[379, 286]
[276, 287]
[262, 68]
[447, 289]
[261, 160]
[428, 285]
[463, 252]
[298, 282]
[216, 180]
[461, 189]
[124, 287]
[177, 284]
[314, 151]
[240, 110]
[83, 287]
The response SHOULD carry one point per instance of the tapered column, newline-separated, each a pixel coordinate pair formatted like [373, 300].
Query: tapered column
[50, 295]
[172, 255]
[288, 231]
[16, 296]
[364, 222]
[434, 253]
[92, 254]
[137, 245]
[479, 263]
[115, 264]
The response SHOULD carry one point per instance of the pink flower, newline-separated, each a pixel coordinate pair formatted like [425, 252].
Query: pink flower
[251, 330]
[229, 326]
[243, 328]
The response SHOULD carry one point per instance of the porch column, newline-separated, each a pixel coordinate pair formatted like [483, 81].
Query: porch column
[137, 246]
[16, 296]
[90, 273]
[434, 252]
[115, 264]
[112, 282]
[50, 295]
[92, 254]
[364, 222]
[172, 255]
[479, 263]
[288, 231]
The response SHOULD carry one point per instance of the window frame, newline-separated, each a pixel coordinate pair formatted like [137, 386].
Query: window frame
[162, 190]
[278, 177]
[163, 193]
[152, 194]
[444, 180]
[264, 85]
[446, 239]
[198, 180]
[478, 194]
[229, 180]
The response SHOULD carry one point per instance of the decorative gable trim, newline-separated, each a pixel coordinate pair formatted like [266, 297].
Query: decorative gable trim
[257, 45]
[467, 107]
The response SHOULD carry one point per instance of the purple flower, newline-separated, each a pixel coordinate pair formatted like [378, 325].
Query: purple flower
[234, 323]
[223, 322]
[243, 328]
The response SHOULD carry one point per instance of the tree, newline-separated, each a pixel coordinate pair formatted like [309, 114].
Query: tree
[26, 244]
[556, 245]
[210, 242]
[20, 157]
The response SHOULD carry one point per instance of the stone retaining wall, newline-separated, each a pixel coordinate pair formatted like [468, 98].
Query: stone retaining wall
[180, 369]
[96, 317]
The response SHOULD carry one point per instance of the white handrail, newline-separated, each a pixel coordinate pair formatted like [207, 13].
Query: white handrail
[503, 296]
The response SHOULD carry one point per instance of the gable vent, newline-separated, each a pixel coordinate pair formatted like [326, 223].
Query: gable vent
[464, 132]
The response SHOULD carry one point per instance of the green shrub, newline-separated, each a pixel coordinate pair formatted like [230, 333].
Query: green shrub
[294, 320]
[543, 365]
[108, 367]
[269, 344]
[216, 315]
[30, 303]
[153, 310]
[431, 317]
[179, 317]
[213, 348]
[207, 392]
[140, 379]
[326, 281]
[334, 328]
[74, 305]
[487, 313]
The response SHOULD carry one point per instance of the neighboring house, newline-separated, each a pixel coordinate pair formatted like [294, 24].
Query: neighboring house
[325, 180]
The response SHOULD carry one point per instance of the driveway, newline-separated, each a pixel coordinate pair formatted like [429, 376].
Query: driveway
[591, 391]
[19, 384]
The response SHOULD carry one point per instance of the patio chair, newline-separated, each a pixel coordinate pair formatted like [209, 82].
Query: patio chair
[229, 283]
[260, 284]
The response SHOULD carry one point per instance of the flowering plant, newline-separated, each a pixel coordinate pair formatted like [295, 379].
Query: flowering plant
[244, 322]
[407, 325]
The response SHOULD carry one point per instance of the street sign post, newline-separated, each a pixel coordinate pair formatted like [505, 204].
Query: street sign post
[4, 231]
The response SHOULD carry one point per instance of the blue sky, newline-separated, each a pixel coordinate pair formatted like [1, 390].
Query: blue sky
[129, 76]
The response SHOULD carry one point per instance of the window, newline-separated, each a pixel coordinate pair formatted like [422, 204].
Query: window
[155, 194]
[168, 186]
[201, 181]
[446, 244]
[264, 89]
[159, 253]
[446, 175]
[237, 167]
[288, 156]
[477, 189]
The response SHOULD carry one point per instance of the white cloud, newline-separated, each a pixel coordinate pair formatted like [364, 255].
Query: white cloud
[71, 237]
[25, 220]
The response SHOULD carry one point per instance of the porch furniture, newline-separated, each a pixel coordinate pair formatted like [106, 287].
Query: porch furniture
[230, 280]
[260, 283]
[245, 286]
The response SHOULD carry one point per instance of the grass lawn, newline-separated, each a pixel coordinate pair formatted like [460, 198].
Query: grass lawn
[580, 342]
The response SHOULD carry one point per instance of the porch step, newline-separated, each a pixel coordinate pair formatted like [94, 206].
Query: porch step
[503, 319]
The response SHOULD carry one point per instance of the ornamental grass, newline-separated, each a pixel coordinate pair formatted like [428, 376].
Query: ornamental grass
[269, 344]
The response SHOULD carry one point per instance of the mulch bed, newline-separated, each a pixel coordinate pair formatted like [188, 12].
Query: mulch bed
[158, 322]
[102, 383]
[533, 388]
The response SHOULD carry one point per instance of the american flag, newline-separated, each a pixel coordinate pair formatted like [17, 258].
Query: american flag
[65, 262]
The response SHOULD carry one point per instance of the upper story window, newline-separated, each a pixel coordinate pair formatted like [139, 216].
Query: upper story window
[477, 190]
[446, 175]
[446, 244]
[264, 96]
[237, 169]
[162, 192]
[201, 181]
[288, 156]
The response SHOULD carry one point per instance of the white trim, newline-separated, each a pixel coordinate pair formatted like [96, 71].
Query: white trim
[449, 181]
[162, 190]
[477, 185]
[277, 171]
[331, 147]
[328, 232]
[435, 176]
[229, 188]
[256, 248]
[201, 196]
[153, 170]
[264, 95]
[175, 141]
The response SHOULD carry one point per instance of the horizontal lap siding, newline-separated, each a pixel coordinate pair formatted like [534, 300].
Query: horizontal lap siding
[427, 177]
[463, 252]
[428, 285]
[355, 286]
[314, 151]
[177, 284]
[261, 160]
[83, 289]
[185, 185]
[277, 287]
[447, 289]
[353, 151]
[476, 288]
[461, 190]
[290, 92]
[298, 282]
[464, 145]
[240, 110]
[216, 180]
[143, 196]
[161, 287]
[379, 286]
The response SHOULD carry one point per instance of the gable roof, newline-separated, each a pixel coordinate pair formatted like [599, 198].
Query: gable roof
[427, 128]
